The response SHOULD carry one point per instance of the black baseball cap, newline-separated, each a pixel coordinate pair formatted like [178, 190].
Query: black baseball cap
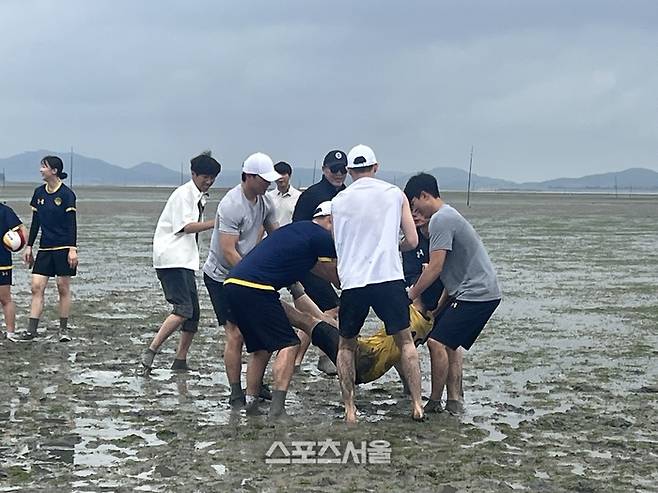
[335, 159]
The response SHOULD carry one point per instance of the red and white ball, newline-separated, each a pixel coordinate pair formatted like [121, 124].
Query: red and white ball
[14, 240]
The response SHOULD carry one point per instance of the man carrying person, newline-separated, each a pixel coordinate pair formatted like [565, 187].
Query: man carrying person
[459, 259]
[284, 196]
[334, 172]
[241, 214]
[367, 218]
[176, 258]
[413, 263]
[251, 289]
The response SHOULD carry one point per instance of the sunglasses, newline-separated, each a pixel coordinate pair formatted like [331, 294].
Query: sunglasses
[338, 168]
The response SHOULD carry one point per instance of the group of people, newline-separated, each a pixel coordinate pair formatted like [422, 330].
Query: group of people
[54, 214]
[408, 256]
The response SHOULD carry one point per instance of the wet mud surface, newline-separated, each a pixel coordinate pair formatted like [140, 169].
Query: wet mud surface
[561, 389]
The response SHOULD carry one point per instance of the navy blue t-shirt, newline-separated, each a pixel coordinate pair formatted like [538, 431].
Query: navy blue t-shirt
[53, 210]
[412, 265]
[286, 255]
[8, 220]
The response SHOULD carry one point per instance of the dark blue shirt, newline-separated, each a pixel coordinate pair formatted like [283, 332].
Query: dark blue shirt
[313, 196]
[413, 260]
[8, 220]
[285, 256]
[54, 209]
[412, 265]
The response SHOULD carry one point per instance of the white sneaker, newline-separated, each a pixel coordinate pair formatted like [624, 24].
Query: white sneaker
[12, 336]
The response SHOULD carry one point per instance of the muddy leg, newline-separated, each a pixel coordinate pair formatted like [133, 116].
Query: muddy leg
[347, 376]
[410, 370]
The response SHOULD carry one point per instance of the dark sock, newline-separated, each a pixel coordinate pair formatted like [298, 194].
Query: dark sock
[236, 390]
[278, 405]
[63, 323]
[32, 324]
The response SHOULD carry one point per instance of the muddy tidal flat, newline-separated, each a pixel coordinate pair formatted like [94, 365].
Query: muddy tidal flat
[561, 389]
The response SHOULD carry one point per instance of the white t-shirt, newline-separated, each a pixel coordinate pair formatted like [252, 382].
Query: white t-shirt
[366, 217]
[237, 216]
[171, 247]
[284, 203]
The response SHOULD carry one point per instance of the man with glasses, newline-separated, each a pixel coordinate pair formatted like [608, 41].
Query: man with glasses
[334, 171]
[241, 214]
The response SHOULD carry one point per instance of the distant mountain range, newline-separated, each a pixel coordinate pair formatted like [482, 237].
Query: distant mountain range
[91, 171]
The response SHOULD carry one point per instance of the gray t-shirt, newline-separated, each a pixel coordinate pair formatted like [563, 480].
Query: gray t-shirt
[236, 215]
[468, 273]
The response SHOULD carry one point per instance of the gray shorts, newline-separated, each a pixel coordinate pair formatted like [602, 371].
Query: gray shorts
[179, 286]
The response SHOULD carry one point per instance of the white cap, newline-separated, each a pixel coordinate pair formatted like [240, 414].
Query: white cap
[324, 209]
[361, 156]
[262, 165]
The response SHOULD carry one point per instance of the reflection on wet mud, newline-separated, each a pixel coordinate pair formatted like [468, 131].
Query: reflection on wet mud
[560, 389]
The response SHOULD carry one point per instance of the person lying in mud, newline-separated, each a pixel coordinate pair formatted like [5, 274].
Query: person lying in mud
[377, 353]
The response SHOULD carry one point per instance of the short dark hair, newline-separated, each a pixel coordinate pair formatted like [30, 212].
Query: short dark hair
[205, 164]
[422, 182]
[283, 168]
[54, 162]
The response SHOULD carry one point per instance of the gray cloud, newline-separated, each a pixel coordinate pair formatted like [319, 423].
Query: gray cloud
[542, 89]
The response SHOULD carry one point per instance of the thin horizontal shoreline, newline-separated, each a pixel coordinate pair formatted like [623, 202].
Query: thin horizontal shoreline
[636, 192]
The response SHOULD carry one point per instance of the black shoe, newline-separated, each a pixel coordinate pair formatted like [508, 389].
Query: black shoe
[433, 406]
[456, 408]
[237, 401]
[64, 336]
[265, 392]
[27, 336]
[180, 365]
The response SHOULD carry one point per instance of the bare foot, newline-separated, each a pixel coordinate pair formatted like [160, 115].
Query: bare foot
[418, 415]
[350, 416]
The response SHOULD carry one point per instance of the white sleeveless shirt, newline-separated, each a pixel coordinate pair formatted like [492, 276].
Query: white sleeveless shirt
[366, 218]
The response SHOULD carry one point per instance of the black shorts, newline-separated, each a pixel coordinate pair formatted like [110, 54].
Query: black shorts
[388, 299]
[51, 263]
[261, 319]
[320, 291]
[5, 277]
[179, 286]
[460, 323]
[218, 300]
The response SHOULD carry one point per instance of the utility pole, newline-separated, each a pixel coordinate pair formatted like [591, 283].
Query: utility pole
[315, 163]
[468, 189]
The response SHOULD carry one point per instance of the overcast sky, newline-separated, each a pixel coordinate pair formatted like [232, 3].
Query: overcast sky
[542, 89]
